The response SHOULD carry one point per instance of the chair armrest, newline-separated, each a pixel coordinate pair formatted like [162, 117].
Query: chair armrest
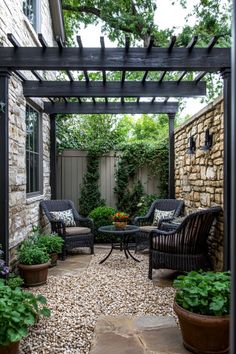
[82, 221]
[141, 220]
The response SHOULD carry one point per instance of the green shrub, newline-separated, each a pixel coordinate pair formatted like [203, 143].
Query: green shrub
[14, 281]
[145, 202]
[30, 254]
[51, 243]
[19, 309]
[205, 293]
[102, 216]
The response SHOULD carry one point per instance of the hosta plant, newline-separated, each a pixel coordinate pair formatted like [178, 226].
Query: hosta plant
[30, 254]
[18, 310]
[205, 293]
[51, 243]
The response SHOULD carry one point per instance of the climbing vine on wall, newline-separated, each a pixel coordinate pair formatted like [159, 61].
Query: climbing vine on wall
[134, 156]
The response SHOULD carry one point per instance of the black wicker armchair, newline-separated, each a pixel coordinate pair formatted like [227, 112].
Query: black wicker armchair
[145, 222]
[80, 235]
[186, 247]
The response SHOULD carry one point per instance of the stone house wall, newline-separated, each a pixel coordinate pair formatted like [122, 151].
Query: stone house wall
[199, 177]
[24, 212]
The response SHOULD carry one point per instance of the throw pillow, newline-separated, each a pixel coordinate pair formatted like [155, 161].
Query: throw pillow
[65, 215]
[160, 214]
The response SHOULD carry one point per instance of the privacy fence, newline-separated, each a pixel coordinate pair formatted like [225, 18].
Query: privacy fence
[72, 165]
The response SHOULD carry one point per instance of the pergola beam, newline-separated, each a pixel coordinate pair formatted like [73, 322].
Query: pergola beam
[115, 59]
[111, 108]
[113, 89]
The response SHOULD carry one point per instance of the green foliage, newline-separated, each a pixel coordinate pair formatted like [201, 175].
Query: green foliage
[90, 197]
[102, 216]
[205, 293]
[134, 156]
[145, 203]
[18, 310]
[50, 243]
[14, 281]
[30, 254]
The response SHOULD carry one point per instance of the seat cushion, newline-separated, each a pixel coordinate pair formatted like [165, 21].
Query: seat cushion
[147, 228]
[77, 230]
[162, 214]
[65, 215]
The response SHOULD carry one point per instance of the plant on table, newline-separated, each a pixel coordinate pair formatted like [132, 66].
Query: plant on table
[202, 304]
[19, 309]
[120, 217]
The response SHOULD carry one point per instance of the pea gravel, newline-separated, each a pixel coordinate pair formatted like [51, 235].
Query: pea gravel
[116, 287]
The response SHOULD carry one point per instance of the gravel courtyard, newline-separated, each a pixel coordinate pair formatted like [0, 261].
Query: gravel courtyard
[116, 287]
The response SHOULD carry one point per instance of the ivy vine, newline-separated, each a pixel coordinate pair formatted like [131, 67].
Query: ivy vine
[134, 156]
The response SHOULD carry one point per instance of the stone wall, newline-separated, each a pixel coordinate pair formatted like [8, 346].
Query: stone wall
[199, 177]
[24, 212]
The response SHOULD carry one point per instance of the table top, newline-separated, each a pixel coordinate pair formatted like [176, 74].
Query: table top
[111, 229]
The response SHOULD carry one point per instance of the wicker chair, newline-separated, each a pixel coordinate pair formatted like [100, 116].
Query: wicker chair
[80, 235]
[145, 222]
[186, 247]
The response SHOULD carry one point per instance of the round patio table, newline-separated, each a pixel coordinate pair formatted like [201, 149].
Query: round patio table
[124, 235]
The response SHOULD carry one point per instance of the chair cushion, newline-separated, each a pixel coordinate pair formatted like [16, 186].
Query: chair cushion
[147, 228]
[160, 214]
[77, 230]
[65, 215]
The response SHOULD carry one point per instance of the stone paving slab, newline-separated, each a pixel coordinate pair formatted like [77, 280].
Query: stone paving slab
[137, 335]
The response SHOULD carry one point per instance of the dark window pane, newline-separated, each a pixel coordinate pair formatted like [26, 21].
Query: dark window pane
[29, 9]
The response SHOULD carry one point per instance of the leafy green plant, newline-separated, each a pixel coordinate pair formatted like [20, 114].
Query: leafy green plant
[18, 310]
[205, 293]
[145, 202]
[51, 243]
[30, 254]
[14, 281]
[102, 216]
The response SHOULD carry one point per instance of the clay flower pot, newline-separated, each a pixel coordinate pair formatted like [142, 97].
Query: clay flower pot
[203, 334]
[34, 275]
[12, 348]
[120, 225]
[53, 258]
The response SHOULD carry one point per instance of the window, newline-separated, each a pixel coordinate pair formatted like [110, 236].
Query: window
[31, 9]
[33, 147]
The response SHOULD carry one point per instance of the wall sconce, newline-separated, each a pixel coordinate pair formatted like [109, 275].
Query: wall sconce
[208, 141]
[192, 146]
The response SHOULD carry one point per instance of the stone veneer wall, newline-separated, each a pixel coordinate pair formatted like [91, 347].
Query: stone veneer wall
[199, 177]
[24, 212]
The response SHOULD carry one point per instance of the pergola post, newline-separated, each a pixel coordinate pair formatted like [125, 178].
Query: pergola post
[53, 176]
[233, 190]
[171, 178]
[226, 75]
[4, 164]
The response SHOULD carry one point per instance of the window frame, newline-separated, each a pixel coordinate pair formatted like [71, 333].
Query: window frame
[37, 13]
[40, 151]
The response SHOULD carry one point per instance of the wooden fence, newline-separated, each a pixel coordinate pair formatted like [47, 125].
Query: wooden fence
[72, 165]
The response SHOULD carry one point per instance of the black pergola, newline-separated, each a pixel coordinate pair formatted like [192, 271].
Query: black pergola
[67, 96]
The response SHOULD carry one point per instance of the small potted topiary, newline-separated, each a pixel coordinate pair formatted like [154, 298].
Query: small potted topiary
[19, 309]
[202, 304]
[33, 263]
[52, 244]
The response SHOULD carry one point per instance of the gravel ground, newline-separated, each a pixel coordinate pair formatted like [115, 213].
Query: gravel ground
[116, 287]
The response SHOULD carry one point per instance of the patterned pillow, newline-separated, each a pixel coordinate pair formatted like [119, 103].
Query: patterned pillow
[65, 215]
[160, 214]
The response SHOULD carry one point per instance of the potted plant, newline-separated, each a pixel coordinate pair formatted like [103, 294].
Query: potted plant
[52, 244]
[120, 220]
[202, 305]
[19, 309]
[33, 263]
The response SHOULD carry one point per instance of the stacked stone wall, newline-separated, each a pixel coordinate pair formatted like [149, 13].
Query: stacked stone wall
[24, 212]
[199, 177]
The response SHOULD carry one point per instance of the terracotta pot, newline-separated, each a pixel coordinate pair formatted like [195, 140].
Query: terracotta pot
[120, 225]
[54, 258]
[12, 348]
[34, 275]
[203, 334]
